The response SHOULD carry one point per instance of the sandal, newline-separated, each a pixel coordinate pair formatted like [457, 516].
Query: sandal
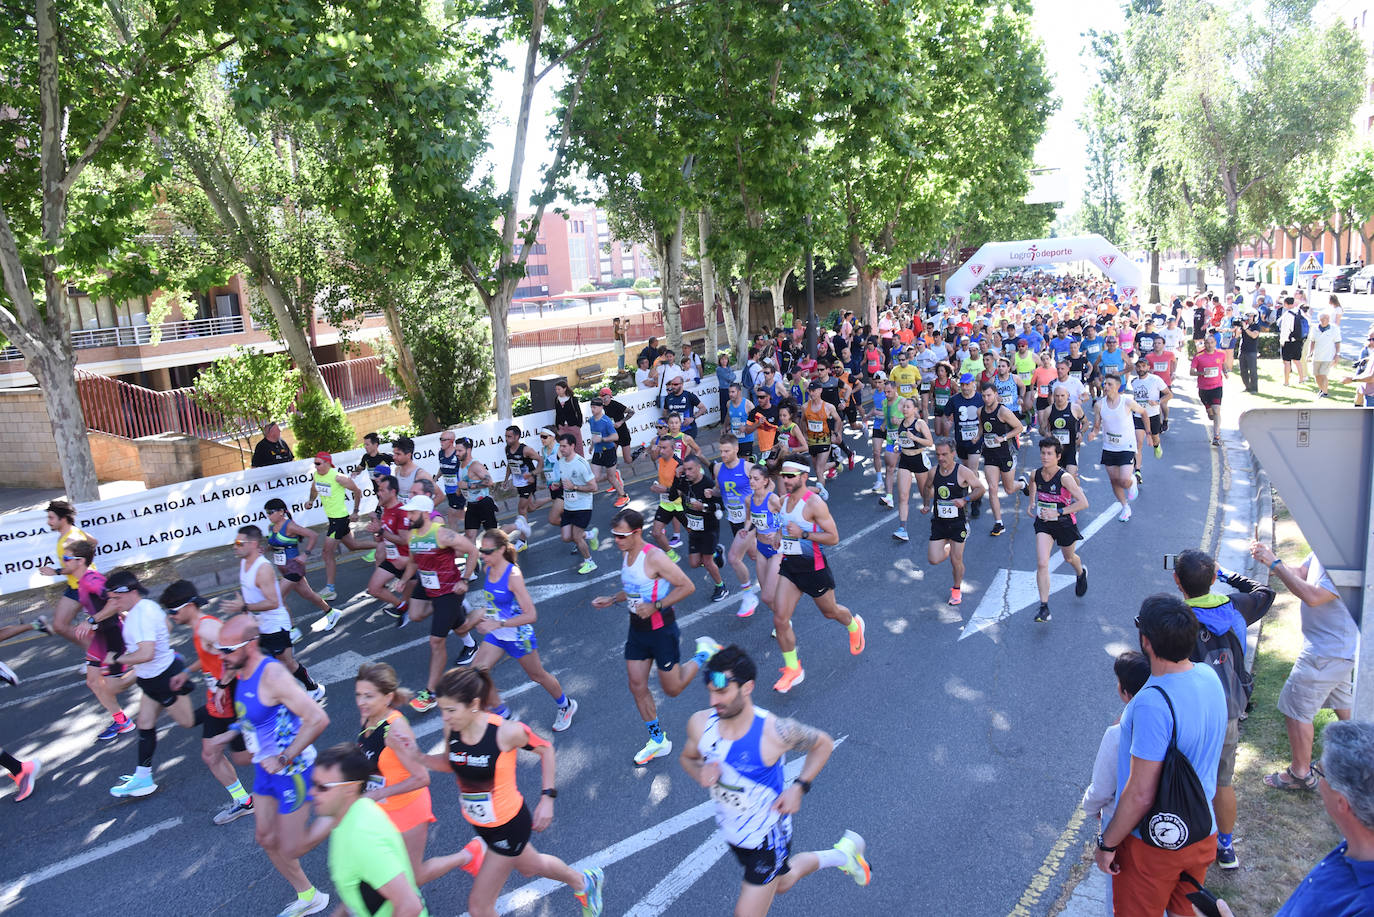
[1287, 780]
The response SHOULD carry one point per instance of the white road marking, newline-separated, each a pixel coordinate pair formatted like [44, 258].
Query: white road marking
[10, 893]
[682, 877]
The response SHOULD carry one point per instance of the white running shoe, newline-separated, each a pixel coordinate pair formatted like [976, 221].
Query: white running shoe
[652, 750]
[299, 908]
[748, 604]
[886, 500]
[523, 525]
[565, 716]
[331, 620]
[1125, 515]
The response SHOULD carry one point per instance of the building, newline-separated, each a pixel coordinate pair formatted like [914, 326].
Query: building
[575, 247]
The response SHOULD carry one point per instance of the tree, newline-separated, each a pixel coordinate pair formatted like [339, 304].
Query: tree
[1353, 192]
[1103, 210]
[452, 357]
[249, 389]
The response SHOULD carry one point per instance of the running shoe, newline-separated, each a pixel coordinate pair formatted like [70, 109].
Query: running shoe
[1216, 440]
[1164, 427]
[851, 461]
[465, 655]
[134, 786]
[997, 529]
[519, 544]
[976, 510]
[675, 541]
[370, 556]
[708, 646]
[1024, 481]
[593, 541]
[329, 593]
[116, 729]
[1226, 857]
[1133, 492]
[747, 604]
[901, 534]
[611, 489]
[718, 556]
[790, 679]
[621, 501]
[295, 634]
[317, 694]
[719, 593]
[955, 596]
[879, 487]
[1080, 586]
[234, 811]
[523, 525]
[7, 674]
[1043, 615]
[588, 566]
[23, 781]
[395, 611]
[422, 702]
[886, 500]
[652, 750]
[565, 715]
[852, 845]
[1139, 478]
[299, 908]
[331, 620]
[1125, 514]
[1159, 452]
[590, 896]
[825, 494]
[477, 848]
[673, 555]
[42, 625]
[856, 637]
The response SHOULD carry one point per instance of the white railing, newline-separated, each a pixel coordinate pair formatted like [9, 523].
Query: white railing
[138, 335]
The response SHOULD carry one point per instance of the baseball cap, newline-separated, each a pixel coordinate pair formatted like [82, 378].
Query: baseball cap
[324, 457]
[880, 376]
[123, 581]
[606, 393]
[966, 377]
[180, 593]
[419, 503]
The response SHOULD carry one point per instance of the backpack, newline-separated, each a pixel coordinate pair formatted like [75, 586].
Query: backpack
[1225, 655]
[1302, 323]
[1181, 813]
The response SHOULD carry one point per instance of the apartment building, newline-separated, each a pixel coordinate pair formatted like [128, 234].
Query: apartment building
[576, 247]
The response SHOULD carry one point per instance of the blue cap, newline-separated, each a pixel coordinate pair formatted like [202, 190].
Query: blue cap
[966, 377]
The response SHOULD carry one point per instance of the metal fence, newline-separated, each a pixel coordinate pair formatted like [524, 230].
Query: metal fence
[529, 349]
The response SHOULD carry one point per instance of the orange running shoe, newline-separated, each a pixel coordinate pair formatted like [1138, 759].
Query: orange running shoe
[856, 637]
[790, 679]
[479, 852]
[954, 597]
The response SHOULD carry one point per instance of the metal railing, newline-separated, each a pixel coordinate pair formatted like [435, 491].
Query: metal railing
[141, 335]
[529, 349]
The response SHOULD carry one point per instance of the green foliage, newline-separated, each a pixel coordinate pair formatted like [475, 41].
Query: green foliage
[644, 283]
[585, 286]
[1103, 210]
[391, 434]
[452, 352]
[620, 283]
[522, 405]
[248, 389]
[321, 425]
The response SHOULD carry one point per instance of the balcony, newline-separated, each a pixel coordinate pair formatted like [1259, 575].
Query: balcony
[142, 335]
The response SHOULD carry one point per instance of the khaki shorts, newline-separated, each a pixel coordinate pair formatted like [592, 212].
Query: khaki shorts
[1314, 683]
[1226, 767]
[1322, 367]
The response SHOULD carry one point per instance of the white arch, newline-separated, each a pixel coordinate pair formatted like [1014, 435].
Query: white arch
[1104, 256]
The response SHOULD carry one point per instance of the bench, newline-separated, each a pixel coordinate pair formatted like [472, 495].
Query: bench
[588, 374]
[519, 388]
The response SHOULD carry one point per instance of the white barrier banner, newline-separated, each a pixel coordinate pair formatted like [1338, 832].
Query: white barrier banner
[207, 512]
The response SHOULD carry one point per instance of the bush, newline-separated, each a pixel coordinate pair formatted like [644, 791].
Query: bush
[391, 434]
[453, 358]
[522, 405]
[321, 425]
[643, 283]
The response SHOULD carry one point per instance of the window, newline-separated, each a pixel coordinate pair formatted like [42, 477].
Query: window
[537, 270]
[539, 248]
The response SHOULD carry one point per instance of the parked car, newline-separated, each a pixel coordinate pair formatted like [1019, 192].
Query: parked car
[1363, 281]
[1245, 268]
[1336, 278]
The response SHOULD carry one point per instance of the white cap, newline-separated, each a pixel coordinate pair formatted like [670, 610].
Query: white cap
[419, 503]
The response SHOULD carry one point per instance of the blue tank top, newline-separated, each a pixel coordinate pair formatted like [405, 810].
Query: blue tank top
[268, 731]
[280, 541]
[879, 415]
[748, 788]
[498, 603]
[734, 488]
[1006, 389]
[763, 518]
[550, 460]
[739, 417]
[473, 493]
[448, 472]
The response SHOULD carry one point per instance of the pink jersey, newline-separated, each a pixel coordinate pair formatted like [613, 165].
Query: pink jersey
[1209, 368]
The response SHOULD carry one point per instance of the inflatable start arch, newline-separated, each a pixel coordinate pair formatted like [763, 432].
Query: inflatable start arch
[1103, 255]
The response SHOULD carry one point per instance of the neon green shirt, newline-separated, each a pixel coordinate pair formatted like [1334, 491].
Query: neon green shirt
[366, 852]
[333, 497]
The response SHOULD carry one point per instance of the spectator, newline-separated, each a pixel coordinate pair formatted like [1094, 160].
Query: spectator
[1324, 671]
[650, 351]
[1221, 643]
[724, 374]
[1337, 311]
[1181, 703]
[1291, 341]
[646, 376]
[270, 450]
[1248, 344]
[1326, 350]
[567, 414]
[618, 337]
[691, 361]
[1363, 375]
[1099, 799]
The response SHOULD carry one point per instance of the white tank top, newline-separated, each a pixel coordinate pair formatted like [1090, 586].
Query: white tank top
[272, 620]
[1118, 432]
[796, 547]
[637, 583]
[748, 788]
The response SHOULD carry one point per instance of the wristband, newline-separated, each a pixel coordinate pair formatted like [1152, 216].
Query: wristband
[551, 793]
[804, 784]
[1275, 564]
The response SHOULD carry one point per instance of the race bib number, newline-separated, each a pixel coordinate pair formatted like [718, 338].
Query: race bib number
[279, 558]
[759, 521]
[790, 546]
[991, 440]
[968, 431]
[632, 602]
[375, 782]
[577, 499]
[429, 579]
[815, 426]
[946, 510]
[392, 552]
[250, 741]
[449, 481]
[1062, 436]
[518, 479]
[1114, 439]
[1211, 372]
[696, 523]
[1049, 512]
[1043, 391]
[904, 388]
[732, 798]
[323, 489]
[735, 512]
[941, 399]
[908, 441]
[477, 807]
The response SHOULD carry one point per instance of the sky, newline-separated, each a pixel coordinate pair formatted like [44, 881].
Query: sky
[1060, 25]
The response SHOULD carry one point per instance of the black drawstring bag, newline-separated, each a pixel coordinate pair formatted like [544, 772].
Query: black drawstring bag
[1180, 814]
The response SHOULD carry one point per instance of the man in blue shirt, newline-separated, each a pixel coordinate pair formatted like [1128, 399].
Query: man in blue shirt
[605, 439]
[1147, 877]
[1034, 338]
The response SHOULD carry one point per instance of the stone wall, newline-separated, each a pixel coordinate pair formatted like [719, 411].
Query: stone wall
[26, 434]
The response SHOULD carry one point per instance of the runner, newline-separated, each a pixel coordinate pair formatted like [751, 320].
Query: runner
[277, 721]
[619, 415]
[952, 489]
[100, 632]
[503, 615]
[892, 421]
[765, 507]
[936, 407]
[184, 605]
[819, 415]
[1163, 363]
[481, 749]
[260, 594]
[732, 474]
[701, 502]
[738, 412]
[736, 751]
[1042, 380]
[965, 409]
[62, 520]
[332, 488]
[606, 441]
[650, 586]
[1150, 390]
[548, 456]
[806, 525]
[522, 463]
[392, 533]
[1024, 365]
[450, 461]
[1114, 410]
[1209, 367]
[1001, 432]
[161, 674]
[1055, 500]
[433, 561]
[24, 773]
[669, 510]
[1065, 423]
[906, 376]
[912, 438]
[284, 538]
[578, 487]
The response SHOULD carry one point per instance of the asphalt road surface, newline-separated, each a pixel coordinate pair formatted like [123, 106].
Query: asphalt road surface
[962, 760]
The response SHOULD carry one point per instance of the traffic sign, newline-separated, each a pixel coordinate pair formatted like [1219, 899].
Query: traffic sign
[1311, 262]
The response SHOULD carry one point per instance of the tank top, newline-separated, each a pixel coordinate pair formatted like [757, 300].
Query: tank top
[333, 497]
[434, 563]
[387, 769]
[906, 436]
[817, 426]
[272, 620]
[799, 553]
[498, 603]
[739, 418]
[404, 482]
[519, 468]
[639, 587]
[549, 458]
[1006, 389]
[947, 490]
[734, 487]
[486, 777]
[269, 730]
[473, 493]
[667, 476]
[1024, 368]
[762, 518]
[1064, 426]
[1118, 432]
[284, 547]
[448, 473]
[1052, 494]
[941, 392]
[995, 429]
[747, 788]
[73, 532]
[218, 703]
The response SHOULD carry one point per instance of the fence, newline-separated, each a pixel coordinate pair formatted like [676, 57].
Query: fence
[530, 349]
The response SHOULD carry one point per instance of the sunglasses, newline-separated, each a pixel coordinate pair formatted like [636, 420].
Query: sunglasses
[120, 590]
[321, 787]
[319, 464]
[619, 535]
[718, 680]
[239, 542]
[73, 556]
[221, 648]
[789, 474]
[486, 550]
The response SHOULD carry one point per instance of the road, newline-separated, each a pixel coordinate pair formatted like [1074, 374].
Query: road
[962, 761]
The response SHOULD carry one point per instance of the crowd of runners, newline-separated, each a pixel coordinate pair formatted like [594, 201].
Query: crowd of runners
[959, 410]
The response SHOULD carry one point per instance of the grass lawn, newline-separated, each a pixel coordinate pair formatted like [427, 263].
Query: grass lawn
[1273, 392]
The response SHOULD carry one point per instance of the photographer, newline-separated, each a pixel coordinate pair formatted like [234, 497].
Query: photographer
[1249, 350]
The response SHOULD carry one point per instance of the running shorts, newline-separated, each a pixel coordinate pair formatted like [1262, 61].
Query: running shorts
[819, 448]
[578, 518]
[1070, 456]
[510, 839]
[389, 567]
[703, 543]
[159, 687]
[293, 570]
[1113, 457]
[456, 500]
[555, 491]
[291, 791]
[1211, 397]
[1062, 531]
[481, 514]
[999, 457]
[604, 458]
[669, 516]
[339, 528]
[814, 583]
[916, 464]
[522, 645]
[70, 593]
[1041, 404]
[448, 614]
[526, 491]
[767, 863]
[659, 645]
[967, 450]
[275, 643]
[955, 530]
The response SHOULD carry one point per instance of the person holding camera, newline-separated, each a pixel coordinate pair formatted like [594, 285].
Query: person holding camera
[1248, 344]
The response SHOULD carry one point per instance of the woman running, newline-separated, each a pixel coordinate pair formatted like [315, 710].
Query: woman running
[1042, 380]
[284, 537]
[504, 617]
[941, 390]
[481, 748]
[913, 438]
[548, 456]
[764, 505]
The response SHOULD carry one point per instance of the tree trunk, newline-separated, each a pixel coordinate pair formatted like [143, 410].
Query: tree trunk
[740, 332]
[669, 245]
[1228, 271]
[708, 283]
[1154, 270]
[498, 308]
[406, 370]
[731, 312]
[777, 291]
[53, 370]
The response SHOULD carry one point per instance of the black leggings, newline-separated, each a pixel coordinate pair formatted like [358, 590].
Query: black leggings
[10, 763]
